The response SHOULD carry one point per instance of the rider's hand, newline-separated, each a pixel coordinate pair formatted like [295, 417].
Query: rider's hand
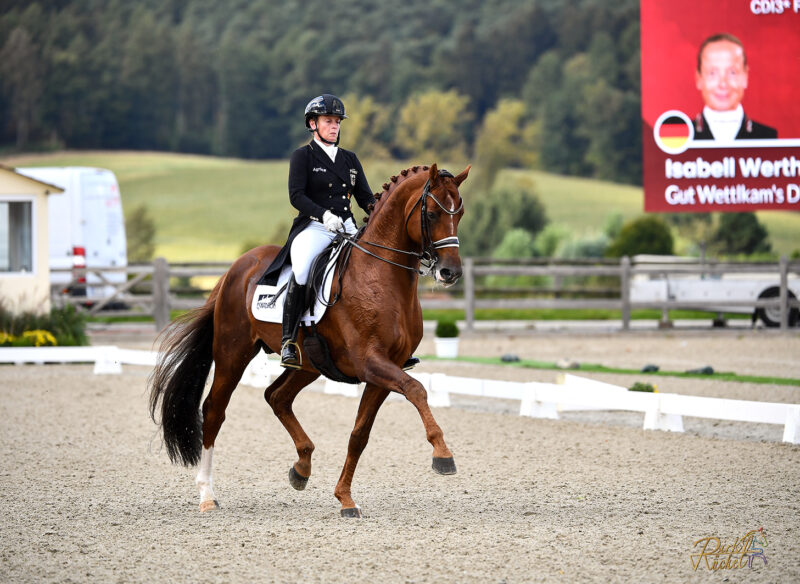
[332, 222]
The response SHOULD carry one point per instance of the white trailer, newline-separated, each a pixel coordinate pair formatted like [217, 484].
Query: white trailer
[86, 226]
[663, 281]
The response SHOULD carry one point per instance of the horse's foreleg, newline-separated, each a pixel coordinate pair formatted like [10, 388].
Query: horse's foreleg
[280, 396]
[371, 401]
[384, 373]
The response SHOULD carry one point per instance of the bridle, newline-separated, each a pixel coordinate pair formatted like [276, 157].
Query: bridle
[428, 257]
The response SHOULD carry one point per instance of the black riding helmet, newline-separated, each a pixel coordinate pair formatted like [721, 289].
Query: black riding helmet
[324, 105]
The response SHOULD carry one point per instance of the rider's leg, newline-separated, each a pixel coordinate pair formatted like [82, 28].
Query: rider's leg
[306, 246]
[292, 311]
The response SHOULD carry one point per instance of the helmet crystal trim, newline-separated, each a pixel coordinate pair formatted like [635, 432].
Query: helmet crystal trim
[324, 105]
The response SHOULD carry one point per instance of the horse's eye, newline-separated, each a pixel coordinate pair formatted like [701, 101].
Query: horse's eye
[432, 216]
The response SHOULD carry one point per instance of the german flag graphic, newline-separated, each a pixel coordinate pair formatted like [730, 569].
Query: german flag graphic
[673, 132]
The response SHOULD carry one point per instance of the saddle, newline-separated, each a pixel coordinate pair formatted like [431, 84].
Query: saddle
[268, 302]
[314, 344]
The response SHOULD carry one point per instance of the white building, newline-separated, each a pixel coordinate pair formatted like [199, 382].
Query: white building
[24, 250]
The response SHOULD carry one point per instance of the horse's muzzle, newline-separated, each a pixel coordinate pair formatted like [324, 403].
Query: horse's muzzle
[447, 276]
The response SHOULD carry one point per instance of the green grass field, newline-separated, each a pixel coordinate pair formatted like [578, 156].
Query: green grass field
[208, 208]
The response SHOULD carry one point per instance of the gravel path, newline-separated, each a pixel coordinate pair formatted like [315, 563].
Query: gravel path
[90, 496]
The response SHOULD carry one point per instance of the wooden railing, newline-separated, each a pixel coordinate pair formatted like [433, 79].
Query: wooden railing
[150, 289]
[624, 272]
[156, 289]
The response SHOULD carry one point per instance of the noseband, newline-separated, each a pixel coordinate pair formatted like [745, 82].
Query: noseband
[428, 257]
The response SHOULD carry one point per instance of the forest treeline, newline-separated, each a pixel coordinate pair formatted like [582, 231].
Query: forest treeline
[546, 84]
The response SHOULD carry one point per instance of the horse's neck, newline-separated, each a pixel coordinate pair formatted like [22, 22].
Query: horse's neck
[387, 227]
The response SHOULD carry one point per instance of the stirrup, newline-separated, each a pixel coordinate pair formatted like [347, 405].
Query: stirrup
[297, 363]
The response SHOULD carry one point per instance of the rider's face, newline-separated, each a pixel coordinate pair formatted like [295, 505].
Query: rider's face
[722, 77]
[328, 127]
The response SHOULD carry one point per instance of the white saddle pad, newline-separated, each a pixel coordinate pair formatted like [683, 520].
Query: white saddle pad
[267, 308]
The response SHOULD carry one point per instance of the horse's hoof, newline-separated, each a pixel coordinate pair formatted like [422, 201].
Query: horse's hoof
[209, 506]
[444, 466]
[297, 480]
[352, 512]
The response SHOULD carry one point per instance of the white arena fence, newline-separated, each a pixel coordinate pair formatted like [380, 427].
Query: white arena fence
[662, 411]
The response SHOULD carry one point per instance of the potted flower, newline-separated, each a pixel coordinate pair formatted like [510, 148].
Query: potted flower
[446, 339]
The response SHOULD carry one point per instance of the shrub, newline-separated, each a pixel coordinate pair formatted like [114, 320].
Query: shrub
[646, 234]
[140, 233]
[590, 246]
[644, 387]
[491, 216]
[517, 244]
[446, 329]
[741, 233]
[62, 326]
[550, 239]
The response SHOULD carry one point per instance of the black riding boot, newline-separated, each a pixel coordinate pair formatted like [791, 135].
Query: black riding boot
[292, 311]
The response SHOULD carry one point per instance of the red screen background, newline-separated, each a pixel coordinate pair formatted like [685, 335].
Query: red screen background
[672, 31]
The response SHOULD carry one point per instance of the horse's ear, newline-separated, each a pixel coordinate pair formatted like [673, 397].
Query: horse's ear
[463, 176]
[433, 174]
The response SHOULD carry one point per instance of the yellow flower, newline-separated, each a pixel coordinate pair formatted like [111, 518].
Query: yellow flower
[5, 338]
[40, 337]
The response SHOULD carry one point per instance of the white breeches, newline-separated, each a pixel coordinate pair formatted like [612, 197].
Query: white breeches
[309, 243]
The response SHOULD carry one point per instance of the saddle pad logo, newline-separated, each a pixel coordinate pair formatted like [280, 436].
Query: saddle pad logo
[265, 301]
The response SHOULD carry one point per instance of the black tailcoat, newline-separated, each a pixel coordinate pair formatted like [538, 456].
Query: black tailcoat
[749, 130]
[318, 184]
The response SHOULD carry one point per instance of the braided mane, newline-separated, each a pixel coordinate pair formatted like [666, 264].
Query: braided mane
[394, 182]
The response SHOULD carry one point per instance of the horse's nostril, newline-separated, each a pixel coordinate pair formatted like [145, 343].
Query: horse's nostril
[449, 275]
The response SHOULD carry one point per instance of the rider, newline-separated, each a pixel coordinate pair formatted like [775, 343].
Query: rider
[322, 180]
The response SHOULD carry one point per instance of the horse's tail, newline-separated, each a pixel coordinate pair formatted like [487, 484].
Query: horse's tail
[178, 380]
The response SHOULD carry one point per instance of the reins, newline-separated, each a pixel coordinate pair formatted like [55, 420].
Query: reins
[427, 257]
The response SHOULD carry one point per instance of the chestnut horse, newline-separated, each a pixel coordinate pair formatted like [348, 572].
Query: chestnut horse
[372, 329]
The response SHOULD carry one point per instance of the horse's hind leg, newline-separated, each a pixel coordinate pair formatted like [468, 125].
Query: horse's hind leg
[228, 370]
[371, 401]
[280, 396]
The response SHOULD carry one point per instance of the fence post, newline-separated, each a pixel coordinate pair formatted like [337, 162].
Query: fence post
[161, 293]
[469, 294]
[784, 293]
[625, 291]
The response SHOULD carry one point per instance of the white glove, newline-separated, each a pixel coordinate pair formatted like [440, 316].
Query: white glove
[332, 222]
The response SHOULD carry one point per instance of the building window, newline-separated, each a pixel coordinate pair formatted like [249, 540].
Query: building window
[16, 236]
